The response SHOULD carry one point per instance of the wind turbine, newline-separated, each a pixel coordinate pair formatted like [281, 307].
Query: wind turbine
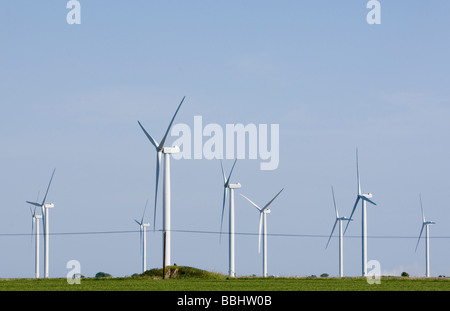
[167, 151]
[425, 225]
[341, 240]
[364, 198]
[227, 185]
[45, 211]
[35, 224]
[143, 239]
[263, 225]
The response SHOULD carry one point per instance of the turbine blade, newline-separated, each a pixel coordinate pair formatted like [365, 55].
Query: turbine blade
[137, 222]
[161, 145]
[420, 235]
[357, 173]
[229, 176]
[33, 221]
[259, 232]
[334, 201]
[37, 200]
[44, 219]
[225, 192]
[368, 200]
[142, 219]
[45, 197]
[31, 211]
[334, 227]
[353, 210]
[158, 164]
[254, 204]
[270, 202]
[223, 173]
[421, 207]
[34, 203]
[150, 138]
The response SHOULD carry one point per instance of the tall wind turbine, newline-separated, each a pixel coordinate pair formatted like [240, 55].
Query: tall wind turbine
[263, 225]
[425, 225]
[341, 238]
[227, 185]
[45, 211]
[364, 198]
[143, 239]
[35, 224]
[167, 151]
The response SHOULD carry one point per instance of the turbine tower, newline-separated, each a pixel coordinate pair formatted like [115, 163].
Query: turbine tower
[263, 225]
[425, 225]
[227, 185]
[143, 239]
[45, 218]
[364, 198]
[341, 238]
[167, 151]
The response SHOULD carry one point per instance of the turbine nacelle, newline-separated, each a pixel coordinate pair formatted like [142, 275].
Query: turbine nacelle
[429, 223]
[234, 186]
[171, 150]
[344, 218]
[266, 211]
[49, 205]
[366, 195]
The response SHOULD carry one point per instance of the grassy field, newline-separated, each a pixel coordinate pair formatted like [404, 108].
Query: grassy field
[191, 279]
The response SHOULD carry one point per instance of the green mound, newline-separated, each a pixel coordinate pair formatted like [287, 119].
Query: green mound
[181, 272]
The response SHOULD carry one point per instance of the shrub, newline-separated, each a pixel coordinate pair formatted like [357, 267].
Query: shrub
[182, 272]
[404, 274]
[102, 275]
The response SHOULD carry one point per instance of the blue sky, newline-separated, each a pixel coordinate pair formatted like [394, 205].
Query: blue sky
[71, 96]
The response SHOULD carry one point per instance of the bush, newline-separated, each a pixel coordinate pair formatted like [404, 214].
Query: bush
[181, 272]
[404, 274]
[324, 275]
[103, 275]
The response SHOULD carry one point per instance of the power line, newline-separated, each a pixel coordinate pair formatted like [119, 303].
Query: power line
[71, 233]
[216, 233]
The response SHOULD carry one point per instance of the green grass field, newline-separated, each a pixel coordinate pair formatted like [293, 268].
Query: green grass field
[191, 279]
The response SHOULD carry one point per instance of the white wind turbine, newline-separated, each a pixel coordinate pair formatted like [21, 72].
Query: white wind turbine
[227, 185]
[45, 218]
[364, 198]
[425, 225]
[341, 238]
[263, 226]
[143, 239]
[35, 224]
[167, 151]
